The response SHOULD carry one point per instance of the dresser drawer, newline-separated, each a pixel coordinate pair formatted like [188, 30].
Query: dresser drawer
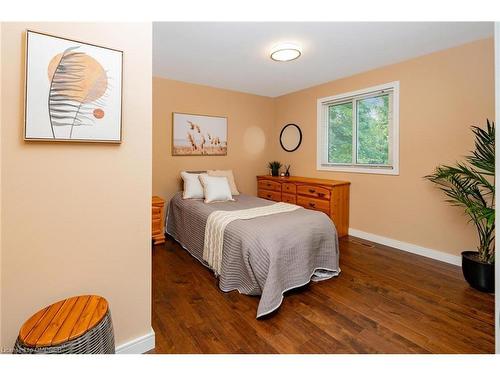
[269, 194]
[156, 227]
[156, 211]
[269, 185]
[313, 191]
[288, 198]
[288, 188]
[314, 204]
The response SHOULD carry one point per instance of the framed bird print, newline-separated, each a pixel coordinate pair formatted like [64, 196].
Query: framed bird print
[198, 135]
[73, 91]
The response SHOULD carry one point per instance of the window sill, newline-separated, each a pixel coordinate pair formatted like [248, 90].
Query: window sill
[386, 171]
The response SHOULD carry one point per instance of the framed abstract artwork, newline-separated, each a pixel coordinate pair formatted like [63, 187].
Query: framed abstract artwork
[198, 135]
[73, 91]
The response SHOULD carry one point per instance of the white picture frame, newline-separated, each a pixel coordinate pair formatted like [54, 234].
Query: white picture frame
[73, 90]
[198, 135]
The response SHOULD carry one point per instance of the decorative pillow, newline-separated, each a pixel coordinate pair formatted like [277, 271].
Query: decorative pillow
[192, 185]
[230, 178]
[215, 188]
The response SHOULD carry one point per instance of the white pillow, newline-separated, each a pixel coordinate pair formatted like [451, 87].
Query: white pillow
[230, 178]
[215, 188]
[192, 186]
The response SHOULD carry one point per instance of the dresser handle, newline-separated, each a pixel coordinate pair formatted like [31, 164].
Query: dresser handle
[312, 191]
[311, 204]
[321, 195]
[269, 195]
[268, 185]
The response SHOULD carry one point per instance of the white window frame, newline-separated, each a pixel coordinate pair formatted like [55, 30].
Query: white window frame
[322, 132]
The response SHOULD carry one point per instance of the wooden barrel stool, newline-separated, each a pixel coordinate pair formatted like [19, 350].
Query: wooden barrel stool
[77, 325]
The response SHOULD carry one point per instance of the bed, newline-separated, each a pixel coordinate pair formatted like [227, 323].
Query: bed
[264, 256]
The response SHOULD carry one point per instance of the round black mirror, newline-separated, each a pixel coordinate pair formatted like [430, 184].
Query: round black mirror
[290, 137]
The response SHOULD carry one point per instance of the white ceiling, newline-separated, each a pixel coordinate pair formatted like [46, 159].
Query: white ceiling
[235, 55]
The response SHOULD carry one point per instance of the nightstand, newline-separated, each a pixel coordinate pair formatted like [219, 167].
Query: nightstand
[158, 220]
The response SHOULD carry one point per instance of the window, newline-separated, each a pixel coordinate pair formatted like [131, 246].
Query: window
[358, 131]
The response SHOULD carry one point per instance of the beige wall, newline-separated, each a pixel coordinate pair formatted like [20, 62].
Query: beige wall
[76, 217]
[250, 122]
[441, 96]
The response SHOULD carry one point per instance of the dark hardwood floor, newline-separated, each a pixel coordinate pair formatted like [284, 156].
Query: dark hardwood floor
[384, 301]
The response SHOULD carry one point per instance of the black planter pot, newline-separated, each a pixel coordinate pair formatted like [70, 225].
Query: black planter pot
[275, 172]
[479, 275]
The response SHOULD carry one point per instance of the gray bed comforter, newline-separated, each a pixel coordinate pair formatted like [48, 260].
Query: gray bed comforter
[263, 256]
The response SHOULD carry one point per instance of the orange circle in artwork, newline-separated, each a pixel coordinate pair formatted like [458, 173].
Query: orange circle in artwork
[98, 113]
[93, 81]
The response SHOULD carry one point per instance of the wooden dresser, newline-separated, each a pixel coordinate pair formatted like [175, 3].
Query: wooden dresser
[158, 220]
[328, 196]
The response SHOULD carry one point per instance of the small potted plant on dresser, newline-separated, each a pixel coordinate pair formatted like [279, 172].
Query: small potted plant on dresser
[275, 167]
[471, 185]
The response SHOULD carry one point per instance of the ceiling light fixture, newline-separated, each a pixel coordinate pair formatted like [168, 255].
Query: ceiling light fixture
[285, 52]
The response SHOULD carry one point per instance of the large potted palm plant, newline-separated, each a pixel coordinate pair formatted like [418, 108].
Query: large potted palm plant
[471, 185]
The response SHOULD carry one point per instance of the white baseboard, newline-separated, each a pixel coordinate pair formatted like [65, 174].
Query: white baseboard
[138, 345]
[408, 247]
